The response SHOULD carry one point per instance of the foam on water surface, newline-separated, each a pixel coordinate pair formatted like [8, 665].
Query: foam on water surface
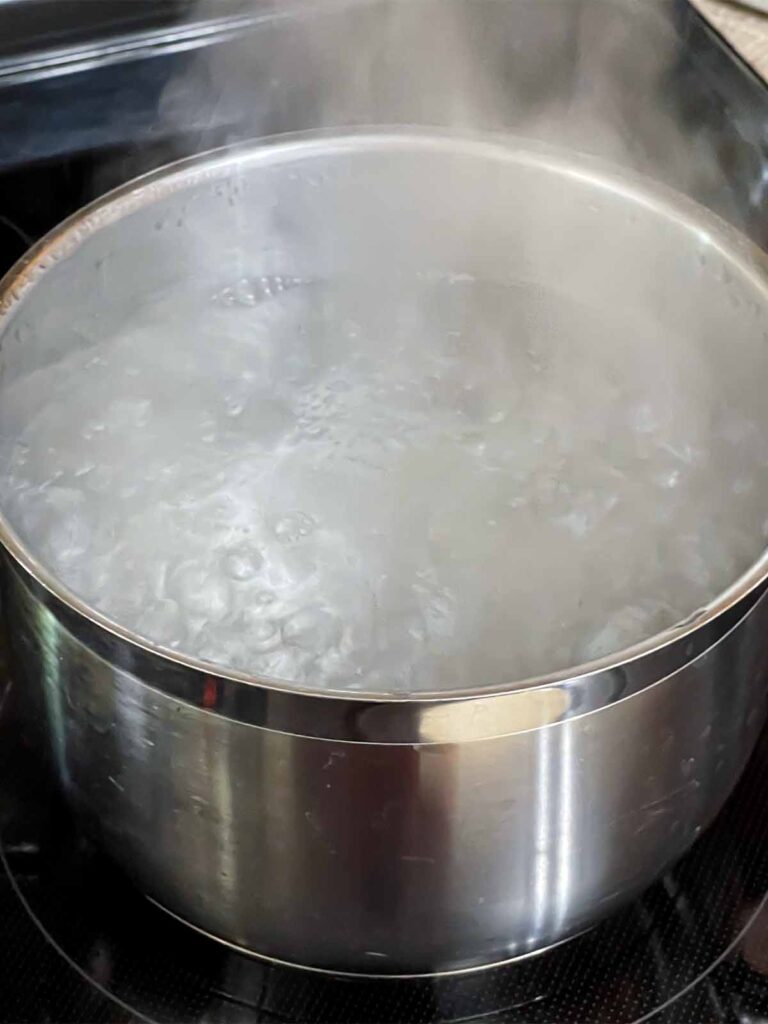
[383, 484]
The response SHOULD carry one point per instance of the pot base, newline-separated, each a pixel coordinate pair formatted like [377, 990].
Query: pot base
[364, 975]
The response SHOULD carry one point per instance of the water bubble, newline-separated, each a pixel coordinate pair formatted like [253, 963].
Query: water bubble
[200, 592]
[263, 635]
[243, 562]
[295, 526]
[92, 428]
[162, 621]
[669, 479]
[312, 629]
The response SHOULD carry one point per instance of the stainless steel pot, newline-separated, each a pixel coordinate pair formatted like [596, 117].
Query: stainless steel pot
[365, 833]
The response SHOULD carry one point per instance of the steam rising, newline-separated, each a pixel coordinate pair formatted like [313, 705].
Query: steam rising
[590, 75]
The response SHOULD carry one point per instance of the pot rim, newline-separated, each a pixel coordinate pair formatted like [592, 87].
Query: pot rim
[609, 678]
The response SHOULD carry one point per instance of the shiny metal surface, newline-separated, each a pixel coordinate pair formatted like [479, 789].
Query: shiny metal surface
[368, 833]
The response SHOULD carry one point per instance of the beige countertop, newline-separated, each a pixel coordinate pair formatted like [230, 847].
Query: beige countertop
[745, 28]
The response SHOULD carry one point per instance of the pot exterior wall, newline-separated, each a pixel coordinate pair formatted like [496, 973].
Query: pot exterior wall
[382, 858]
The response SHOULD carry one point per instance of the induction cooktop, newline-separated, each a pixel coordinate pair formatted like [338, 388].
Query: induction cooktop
[93, 93]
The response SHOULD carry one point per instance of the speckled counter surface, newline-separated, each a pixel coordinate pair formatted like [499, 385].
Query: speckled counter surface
[745, 27]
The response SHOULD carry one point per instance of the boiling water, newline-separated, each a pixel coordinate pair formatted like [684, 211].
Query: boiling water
[386, 485]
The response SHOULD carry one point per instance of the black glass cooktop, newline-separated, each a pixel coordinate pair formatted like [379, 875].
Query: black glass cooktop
[118, 88]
